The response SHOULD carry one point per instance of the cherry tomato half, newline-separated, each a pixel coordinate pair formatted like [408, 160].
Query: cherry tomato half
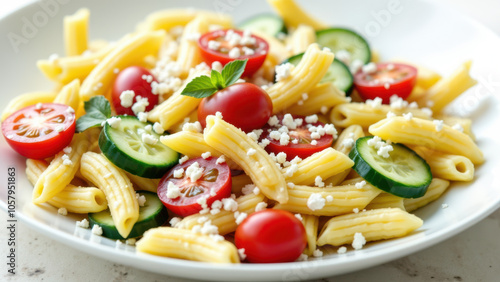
[243, 105]
[389, 79]
[40, 131]
[271, 236]
[133, 78]
[218, 45]
[214, 183]
[301, 143]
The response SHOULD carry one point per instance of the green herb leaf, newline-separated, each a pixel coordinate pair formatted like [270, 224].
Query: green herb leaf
[97, 110]
[217, 80]
[200, 87]
[233, 71]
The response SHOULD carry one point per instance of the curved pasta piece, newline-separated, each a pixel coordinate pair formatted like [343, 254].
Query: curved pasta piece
[301, 38]
[386, 200]
[424, 133]
[27, 99]
[76, 32]
[311, 223]
[322, 96]
[235, 144]
[186, 244]
[302, 79]
[130, 51]
[189, 55]
[188, 143]
[324, 164]
[434, 191]
[61, 171]
[167, 19]
[447, 166]
[378, 224]
[70, 95]
[343, 199]
[362, 114]
[141, 183]
[464, 123]
[116, 186]
[224, 220]
[294, 15]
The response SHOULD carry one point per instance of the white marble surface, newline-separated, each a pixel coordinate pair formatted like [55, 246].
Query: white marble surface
[469, 256]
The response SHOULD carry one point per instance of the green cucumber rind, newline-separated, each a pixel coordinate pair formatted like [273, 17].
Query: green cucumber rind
[383, 182]
[248, 23]
[110, 231]
[122, 160]
[321, 33]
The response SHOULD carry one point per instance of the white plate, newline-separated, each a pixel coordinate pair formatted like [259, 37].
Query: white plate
[421, 31]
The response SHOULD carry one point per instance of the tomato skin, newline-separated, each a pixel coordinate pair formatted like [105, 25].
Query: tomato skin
[271, 236]
[243, 105]
[402, 86]
[46, 118]
[131, 79]
[302, 149]
[185, 205]
[254, 61]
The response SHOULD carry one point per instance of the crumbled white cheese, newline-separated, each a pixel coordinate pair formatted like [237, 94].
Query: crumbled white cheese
[344, 56]
[355, 210]
[427, 111]
[214, 45]
[206, 155]
[62, 211]
[317, 253]
[311, 119]
[273, 121]
[390, 114]
[141, 199]
[220, 160]
[173, 191]
[303, 257]
[356, 65]
[408, 116]
[342, 250]
[260, 206]
[66, 160]
[290, 185]
[149, 139]
[183, 159]
[240, 217]
[251, 152]
[298, 216]
[283, 71]
[329, 198]
[67, 150]
[194, 171]
[458, 127]
[192, 127]
[229, 204]
[439, 124]
[360, 185]
[241, 254]
[140, 105]
[217, 66]
[284, 139]
[247, 189]
[318, 181]
[359, 241]
[84, 223]
[131, 241]
[315, 202]
[142, 116]
[348, 142]
[158, 128]
[291, 170]
[369, 68]
[97, 230]
[114, 122]
[384, 151]
[234, 53]
[175, 221]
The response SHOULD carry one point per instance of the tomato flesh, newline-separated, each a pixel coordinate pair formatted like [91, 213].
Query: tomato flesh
[222, 51]
[40, 131]
[271, 236]
[388, 79]
[133, 78]
[214, 184]
[243, 105]
[300, 143]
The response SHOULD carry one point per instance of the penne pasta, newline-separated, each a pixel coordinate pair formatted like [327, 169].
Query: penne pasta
[189, 55]
[434, 191]
[447, 166]
[168, 19]
[386, 200]
[301, 38]
[294, 15]
[320, 99]
[311, 223]
[76, 32]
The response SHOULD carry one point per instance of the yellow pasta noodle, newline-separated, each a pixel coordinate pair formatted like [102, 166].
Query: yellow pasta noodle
[311, 223]
[141, 183]
[294, 15]
[320, 99]
[27, 99]
[464, 123]
[373, 225]
[434, 191]
[238, 182]
[188, 143]
[302, 79]
[386, 200]
[447, 166]
[425, 133]
[186, 244]
[76, 32]
[70, 95]
[130, 51]
[344, 199]
[168, 19]
[61, 170]
[301, 38]
[116, 186]
[189, 55]
[244, 151]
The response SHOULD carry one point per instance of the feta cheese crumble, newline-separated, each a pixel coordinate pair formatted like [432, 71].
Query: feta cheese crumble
[359, 241]
[315, 202]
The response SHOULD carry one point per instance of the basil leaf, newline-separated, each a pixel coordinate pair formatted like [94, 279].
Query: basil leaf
[233, 71]
[217, 80]
[97, 110]
[200, 87]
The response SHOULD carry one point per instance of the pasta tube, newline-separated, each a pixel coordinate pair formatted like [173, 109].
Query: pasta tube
[429, 134]
[302, 79]
[374, 225]
[252, 158]
[167, 19]
[116, 186]
[141, 183]
[130, 51]
[329, 201]
[188, 143]
[70, 95]
[447, 166]
[434, 191]
[322, 97]
[189, 55]
[311, 223]
[61, 170]
[386, 200]
[186, 244]
[294, 15]
[301, 38]
[76, 32]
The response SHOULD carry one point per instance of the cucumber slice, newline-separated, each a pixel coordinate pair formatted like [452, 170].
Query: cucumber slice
[124, 147]
[152, 214]
[404, 174]
[269, 24]
[345, 39]
[338, 74]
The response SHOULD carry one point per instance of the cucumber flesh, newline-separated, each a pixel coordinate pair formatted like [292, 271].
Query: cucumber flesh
[152, 214]
[338, 74]
[269, 24]
[404, 173]
[124, 147]
[345, 39]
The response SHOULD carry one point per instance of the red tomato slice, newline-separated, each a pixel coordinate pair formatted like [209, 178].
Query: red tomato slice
[271, 236]
[136, 79]
[389, 79]
[215, 46]
[40, 131]
[303, 146]
[243, 105]
[214, 184]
